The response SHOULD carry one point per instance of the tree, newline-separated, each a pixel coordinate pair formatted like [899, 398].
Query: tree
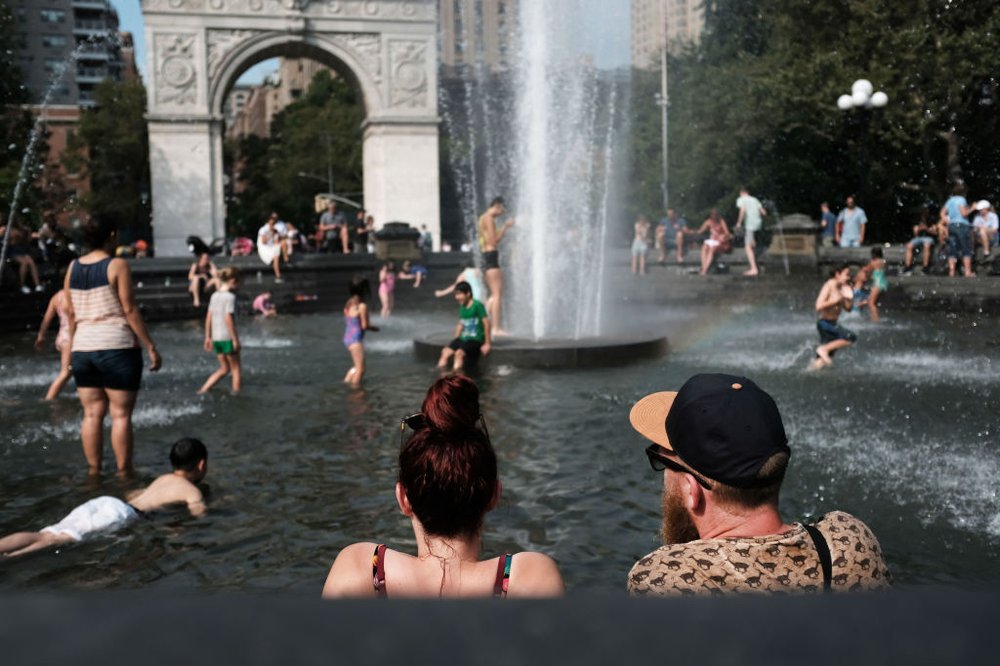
[111, 148]
[754, 103]
[320, 130]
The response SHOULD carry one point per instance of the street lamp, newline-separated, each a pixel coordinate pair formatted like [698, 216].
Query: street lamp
[863, 98]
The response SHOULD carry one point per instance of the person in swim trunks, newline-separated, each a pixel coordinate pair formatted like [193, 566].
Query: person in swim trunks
[489, 241]
[106, 514]
[836, 295]
[447, 482]
[472, 334]
[220, 331]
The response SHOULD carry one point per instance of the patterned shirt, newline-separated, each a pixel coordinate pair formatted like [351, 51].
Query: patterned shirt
[777, 563]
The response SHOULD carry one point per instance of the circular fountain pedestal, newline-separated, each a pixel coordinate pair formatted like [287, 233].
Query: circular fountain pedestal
[555, 353]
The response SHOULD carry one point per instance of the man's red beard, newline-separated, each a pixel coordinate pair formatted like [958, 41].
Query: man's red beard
[677, 526]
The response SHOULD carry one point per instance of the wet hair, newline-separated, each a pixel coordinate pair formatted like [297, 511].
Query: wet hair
[497, 200]
[877, 253]
[448, 469]
[229, 273]
[838, 268]
[186, 453]
[750, 498]
[463, 287]
[96, 231]
[360, 287]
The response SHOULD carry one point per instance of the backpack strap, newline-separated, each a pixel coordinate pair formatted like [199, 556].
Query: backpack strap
[824, 555]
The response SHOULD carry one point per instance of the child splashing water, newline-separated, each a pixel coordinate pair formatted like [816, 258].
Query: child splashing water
[57, 307]
[355, 324]
[220, 331]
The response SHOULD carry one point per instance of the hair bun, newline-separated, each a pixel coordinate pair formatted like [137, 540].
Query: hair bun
[452, 404]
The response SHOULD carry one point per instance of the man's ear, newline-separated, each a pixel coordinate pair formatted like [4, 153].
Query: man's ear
[694, 494]
[497, 492]
[403, 501]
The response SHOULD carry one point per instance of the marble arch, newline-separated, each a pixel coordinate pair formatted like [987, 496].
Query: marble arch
[196, 49]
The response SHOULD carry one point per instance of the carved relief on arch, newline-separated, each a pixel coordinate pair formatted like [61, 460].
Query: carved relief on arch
[220, 43]
[408, 83]
[366, 49]
[176, 73]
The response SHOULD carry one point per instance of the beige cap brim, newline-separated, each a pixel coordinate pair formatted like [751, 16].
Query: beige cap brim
[649, 415]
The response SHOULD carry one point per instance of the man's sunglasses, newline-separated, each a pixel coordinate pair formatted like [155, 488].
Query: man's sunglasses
[418, 422]
[660, 460]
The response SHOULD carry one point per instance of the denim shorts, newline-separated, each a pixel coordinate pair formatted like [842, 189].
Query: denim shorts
[117, 369]
[831, 330]
[959, 241]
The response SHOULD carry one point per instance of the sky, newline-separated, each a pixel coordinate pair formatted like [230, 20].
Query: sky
[604, 32]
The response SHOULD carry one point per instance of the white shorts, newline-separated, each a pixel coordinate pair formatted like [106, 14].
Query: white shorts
[713, 243]
[267, 253]
[99, 515]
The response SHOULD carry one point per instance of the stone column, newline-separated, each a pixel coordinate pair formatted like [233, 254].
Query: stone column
[401, 179]
[181, 158]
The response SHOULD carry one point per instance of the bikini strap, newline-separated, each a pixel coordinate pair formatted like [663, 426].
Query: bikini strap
[503, 577]
[378, 571]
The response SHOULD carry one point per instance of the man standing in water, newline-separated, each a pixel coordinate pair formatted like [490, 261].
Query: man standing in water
[836, 295]
[489, 240]
[751, 212]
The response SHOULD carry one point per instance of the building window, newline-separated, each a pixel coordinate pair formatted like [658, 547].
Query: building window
[52, 15]
[53, 41]
[53, 64]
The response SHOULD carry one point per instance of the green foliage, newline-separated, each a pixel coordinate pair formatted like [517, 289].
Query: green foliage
[112, 149]
[755, 103]
[321, 129]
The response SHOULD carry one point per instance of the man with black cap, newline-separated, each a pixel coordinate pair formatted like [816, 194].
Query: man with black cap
[723, 451]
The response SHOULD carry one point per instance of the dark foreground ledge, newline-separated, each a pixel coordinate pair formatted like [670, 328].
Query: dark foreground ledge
[911, 626]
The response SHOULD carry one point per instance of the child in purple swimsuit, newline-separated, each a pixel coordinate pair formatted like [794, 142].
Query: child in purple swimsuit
[355, 324]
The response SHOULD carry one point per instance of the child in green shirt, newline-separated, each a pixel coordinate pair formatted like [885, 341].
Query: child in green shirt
[472, 334]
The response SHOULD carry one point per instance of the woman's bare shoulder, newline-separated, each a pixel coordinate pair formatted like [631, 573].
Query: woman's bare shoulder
[534, 575]
[351, 574]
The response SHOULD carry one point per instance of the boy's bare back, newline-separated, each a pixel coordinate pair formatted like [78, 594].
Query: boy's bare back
[166, 490]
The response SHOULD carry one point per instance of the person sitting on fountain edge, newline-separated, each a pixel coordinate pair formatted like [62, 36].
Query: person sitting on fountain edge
[722, 448]
[472, 334]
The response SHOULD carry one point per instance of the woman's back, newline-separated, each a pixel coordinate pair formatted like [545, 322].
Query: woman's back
[100, 318]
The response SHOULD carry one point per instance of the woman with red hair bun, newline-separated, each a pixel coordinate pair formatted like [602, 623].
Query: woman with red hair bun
[447, 483]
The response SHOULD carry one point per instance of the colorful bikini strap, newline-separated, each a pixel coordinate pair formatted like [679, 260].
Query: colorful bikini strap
[503, 577]
[378, 571]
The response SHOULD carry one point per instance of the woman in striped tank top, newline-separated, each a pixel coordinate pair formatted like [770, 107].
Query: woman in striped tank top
[106, 327]
[447, 483]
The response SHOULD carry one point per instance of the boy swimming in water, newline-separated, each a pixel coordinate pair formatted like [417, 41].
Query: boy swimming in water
[836, 295]
[106, 514]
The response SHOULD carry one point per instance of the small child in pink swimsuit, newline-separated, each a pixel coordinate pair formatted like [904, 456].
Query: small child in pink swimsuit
[387, 287]
[57, 307]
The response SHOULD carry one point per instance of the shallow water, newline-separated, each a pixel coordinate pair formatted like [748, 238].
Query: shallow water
[901, 432]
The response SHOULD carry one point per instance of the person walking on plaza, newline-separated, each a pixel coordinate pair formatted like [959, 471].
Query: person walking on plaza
[835, 295]
[640, 245]
[956, 211]
[827, 225]
[490, 236]
[751, 212]
[851, 225]
[447, 482]
[721, 446]
[220, 331]
[106, 328]
[57, 308]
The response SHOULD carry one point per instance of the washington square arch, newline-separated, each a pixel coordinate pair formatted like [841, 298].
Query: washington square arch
[197, 49]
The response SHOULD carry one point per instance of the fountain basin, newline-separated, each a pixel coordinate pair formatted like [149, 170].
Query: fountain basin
[555, 352]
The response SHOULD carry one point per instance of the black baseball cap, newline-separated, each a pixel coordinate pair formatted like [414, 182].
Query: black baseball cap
[722, 426]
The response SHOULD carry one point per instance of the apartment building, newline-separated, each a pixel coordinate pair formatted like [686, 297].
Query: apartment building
[656, 23]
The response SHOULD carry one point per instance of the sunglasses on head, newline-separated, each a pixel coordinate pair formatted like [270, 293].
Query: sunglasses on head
[418, 422]
[660, 459]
